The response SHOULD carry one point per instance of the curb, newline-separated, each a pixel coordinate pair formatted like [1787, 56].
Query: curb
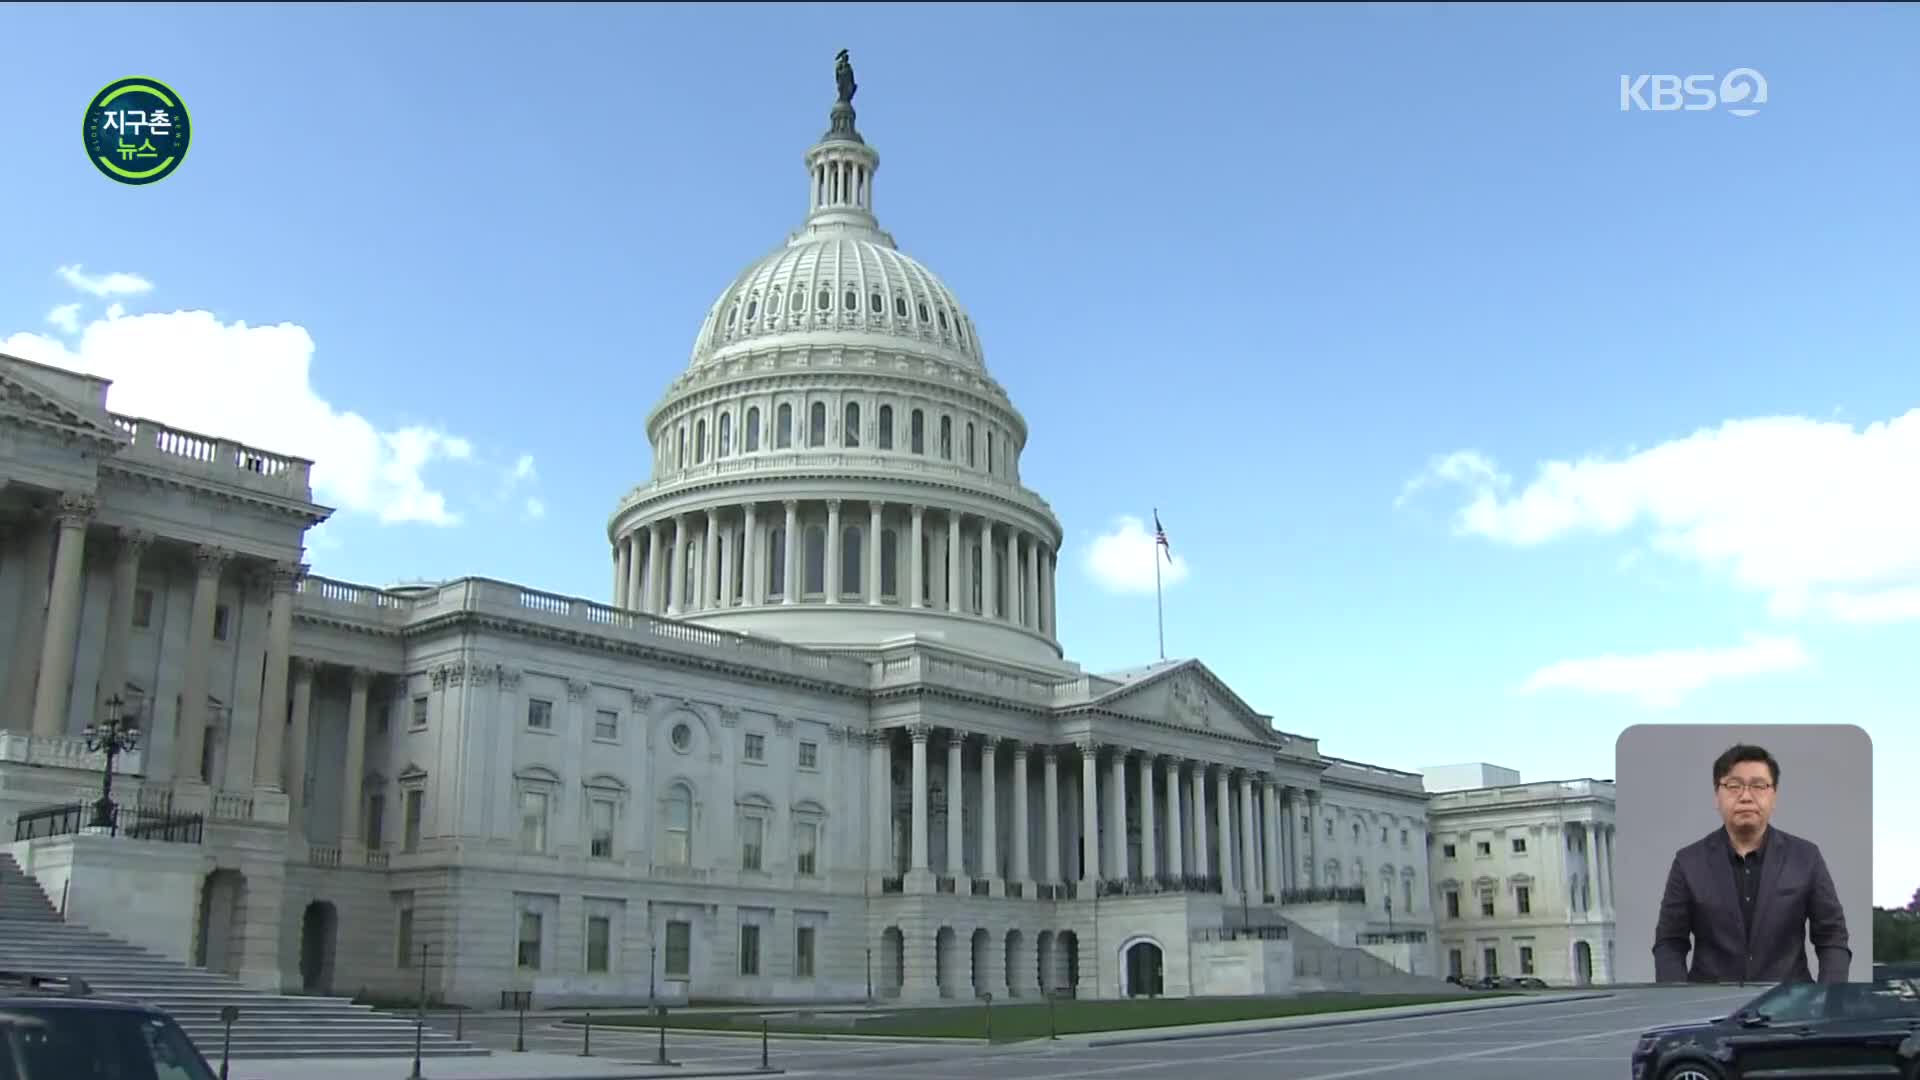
[1372, 1016]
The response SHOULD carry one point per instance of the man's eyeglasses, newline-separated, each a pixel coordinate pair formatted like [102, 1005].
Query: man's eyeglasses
[1735, 787]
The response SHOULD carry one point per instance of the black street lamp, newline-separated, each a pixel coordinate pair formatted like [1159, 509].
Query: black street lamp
[1389, 914]
[117, 734]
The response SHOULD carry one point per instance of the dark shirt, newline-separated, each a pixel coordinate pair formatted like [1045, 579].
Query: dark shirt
[1746, 873]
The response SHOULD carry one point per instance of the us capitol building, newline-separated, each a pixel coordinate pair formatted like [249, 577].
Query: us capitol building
[822, 743]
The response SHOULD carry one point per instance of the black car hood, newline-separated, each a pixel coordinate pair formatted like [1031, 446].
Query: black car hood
[1679, 1029]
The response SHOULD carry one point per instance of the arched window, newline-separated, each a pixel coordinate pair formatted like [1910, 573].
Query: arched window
[682, 460]
[679, 847]
[726, 434]
[886, 427]
[825, 299]
[853, 302]
[776, 562]
[874, 302]
[773, 303]
[816, 564]
[783, 427]
[752, 441]
[900, 307]
[946, 438]
[739, 568]
[927, 567]
[974, 577]
[889, 563]
[753, 308]
[969, 444]
[943, 318]
[817, 424]
[851, 436]
[918, 433]
[992, 438]
[852, 567]
[700, 440]
[799, 300]
[733, 315]
[690, 590]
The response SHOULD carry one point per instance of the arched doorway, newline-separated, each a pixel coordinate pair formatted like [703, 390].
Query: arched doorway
[1067, 960]
[318, 927]
[1143, 963]
[1582, 964]
[222, 912]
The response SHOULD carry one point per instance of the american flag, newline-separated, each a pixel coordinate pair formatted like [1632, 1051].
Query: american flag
[1160, 537]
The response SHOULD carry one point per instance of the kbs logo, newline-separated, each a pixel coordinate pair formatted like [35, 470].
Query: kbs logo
[1740, 92]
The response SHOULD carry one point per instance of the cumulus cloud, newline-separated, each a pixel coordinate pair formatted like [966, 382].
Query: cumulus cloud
[1816, 515]
[1122, 559]
[190, 370]
[113, 284]
[516, 477]
[1663, 679]
[534, 509]
[66, 317]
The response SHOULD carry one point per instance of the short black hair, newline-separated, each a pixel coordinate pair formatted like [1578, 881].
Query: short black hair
[1738, 753]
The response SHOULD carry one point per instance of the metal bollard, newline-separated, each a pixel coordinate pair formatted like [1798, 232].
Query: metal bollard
[764, 1067]
[663, 1038]
[586, 1038]
[520, 1039]
[228, 1014]
[460, 1024]
[1053, 1030]
[987, 996]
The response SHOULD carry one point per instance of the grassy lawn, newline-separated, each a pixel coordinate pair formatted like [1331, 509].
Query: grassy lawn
[1028, 1020]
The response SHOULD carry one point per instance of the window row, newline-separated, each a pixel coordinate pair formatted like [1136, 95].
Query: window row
[1483, 849]
[1522, 901]
[743, 311]
[1489, 961]
[976, 444]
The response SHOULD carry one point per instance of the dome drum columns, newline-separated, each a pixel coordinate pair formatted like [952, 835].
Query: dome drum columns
[894, 556]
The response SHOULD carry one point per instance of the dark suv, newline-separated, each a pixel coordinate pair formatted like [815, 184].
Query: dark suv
[55, 1029]
[1800, 1029]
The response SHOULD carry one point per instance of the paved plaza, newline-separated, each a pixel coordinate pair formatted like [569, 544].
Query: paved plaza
[1586, 1039]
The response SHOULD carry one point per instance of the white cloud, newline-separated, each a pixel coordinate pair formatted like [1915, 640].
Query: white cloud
[66, 317]
[534, 509]
[1662, 679]
[522, 469]
[1122, 559]
[114, 284]
[188, 369]
[1815, 514]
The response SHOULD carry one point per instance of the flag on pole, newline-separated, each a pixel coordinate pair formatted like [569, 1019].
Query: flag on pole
[1160, 537]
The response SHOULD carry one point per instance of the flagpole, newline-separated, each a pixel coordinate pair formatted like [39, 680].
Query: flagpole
[1159, 609]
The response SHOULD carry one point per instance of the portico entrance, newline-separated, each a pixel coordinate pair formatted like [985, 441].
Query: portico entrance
[1143, 963]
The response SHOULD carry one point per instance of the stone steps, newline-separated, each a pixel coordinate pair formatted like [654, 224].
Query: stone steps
[1353, 969]
[34, 938]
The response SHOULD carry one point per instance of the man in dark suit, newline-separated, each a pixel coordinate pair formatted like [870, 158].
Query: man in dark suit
[1745, 898]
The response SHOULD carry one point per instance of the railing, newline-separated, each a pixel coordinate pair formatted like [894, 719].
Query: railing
[229, 806]
[677, 872]
[893, 883]
[838, 463]
[982, 887]
[1160, 883]
[943, 883]
[1342, 894]
[343, 592]
[1044, 891]
[377, 860]
[1275, 932]
[1016, 890]
[64, 751]
[318, 855]
[1395, 937]
[129, 821]
[154, 439]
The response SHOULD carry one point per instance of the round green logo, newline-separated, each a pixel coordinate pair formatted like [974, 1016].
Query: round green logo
[136, 131]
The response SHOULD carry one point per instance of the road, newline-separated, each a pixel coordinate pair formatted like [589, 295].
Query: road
[1586, 1040]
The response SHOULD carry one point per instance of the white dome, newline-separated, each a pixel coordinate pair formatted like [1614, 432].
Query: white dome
[849, 281]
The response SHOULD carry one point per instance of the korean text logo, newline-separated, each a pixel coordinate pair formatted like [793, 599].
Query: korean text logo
[136, 131]
[1740, 92]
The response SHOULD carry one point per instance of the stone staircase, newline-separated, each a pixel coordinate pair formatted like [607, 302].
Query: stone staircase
[33, 937]
[1322, 965]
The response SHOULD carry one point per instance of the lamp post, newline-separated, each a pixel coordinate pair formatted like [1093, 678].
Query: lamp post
[1389, 914]
[118, 733]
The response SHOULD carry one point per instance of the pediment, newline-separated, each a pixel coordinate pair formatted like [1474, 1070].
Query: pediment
[25, 399]
[1186, 694]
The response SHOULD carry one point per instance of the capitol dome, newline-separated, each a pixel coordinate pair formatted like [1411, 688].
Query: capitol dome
[836, 431]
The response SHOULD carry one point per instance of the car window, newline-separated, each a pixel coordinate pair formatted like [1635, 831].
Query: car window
[102, 1044]
[1885, 999]
[1794, 1002]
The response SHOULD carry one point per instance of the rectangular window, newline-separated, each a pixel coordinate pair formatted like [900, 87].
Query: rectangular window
[1447, 850]
[1383, 834]
[1523, 898]
[222, 616]
[1486, 903]
[1454, 962]
[599, 938]
[533, 821]
[803, 952]
[420, 712]
[529, 951]
[1483, 849]
[678, 960]
[403, 938]
[1403, 838]
[809, 755]
[806, 838]
[1491, 957]
[749, 949]
[142, 608]
[753, 835]
[601, 842]
[539, 714]
[1526, 959]
[606, 725]
[416, 810]
[1519, 845]
[376, 821]
[1453, 905]
[756, 747]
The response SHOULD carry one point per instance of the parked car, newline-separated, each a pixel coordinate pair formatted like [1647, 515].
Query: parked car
[54, 1028]
[1799, 1029]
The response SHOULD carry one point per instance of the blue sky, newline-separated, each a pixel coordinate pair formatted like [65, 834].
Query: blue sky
[1329, 287]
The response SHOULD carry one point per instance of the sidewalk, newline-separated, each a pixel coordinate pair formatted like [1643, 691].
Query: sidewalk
[1316, 1020]
[498, 1066]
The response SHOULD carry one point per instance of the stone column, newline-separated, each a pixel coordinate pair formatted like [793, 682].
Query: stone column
[656, 543]
[190, 729]
[1313, 840]
[352, 799]
[677, 571]
[297, 752]
[273, 691]
[875, 531]
[1016, 601]
[880, 795]
[126, 582]
[1022, 864]
[1117, 817]
[752, 577]
[1034, 601]
[1050, 827]
[1606, 866]
[918, 733]
[955, 528]
[919, 579]
[989, 577]
[1590, 893]
[990, 817]
[1270, 793]
[23, 663]
[791, 594]
[1196, 785]
[50, 697]
[956, 836]
[622, 569]
[1176, 835]
[832, 568]
[636, 574]
[1049, 612]
[1223, 822]
[1249, 837]
[709, 572]
[729, 558]
[1090, 813]
[1149, 843]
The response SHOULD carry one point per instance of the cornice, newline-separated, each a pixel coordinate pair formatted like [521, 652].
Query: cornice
[77, 430]
[922, 490]
[149, 477]
[873, 380]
